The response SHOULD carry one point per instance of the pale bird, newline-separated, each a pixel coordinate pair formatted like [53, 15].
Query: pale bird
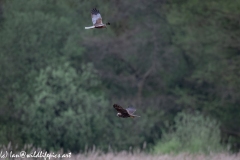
[97, 20]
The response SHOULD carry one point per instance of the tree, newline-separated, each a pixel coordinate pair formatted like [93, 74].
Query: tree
[66, 111]
[33, 34]
[206, 33]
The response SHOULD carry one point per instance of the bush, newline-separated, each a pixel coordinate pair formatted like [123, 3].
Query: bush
[191, 133]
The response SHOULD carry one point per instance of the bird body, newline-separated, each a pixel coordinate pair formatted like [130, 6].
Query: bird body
[97, 20]
[125, 113]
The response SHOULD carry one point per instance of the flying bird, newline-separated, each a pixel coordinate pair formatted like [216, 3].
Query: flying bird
[97, 20]
[125, 113]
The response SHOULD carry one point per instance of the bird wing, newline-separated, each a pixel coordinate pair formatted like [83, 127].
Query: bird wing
[120, 109]
[96, 17]
[131, 110]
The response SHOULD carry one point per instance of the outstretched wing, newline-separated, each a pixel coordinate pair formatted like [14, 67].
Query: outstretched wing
[131, 110]
[120, 109]
[96, 17]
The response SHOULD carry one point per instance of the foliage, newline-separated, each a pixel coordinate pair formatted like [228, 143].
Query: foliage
[206, 32]
[32, 36]
[191, 133]
[66, 105]
[163, 57]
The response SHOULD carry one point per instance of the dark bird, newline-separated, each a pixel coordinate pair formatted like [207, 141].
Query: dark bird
[97, 20]
[125, 113]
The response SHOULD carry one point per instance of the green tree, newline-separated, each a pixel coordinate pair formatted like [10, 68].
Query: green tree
[33, 34]
[161, 57]
[139, 65]
[207, 33]
[67, 109]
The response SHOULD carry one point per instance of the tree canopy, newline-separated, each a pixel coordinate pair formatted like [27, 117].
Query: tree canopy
[59, 81]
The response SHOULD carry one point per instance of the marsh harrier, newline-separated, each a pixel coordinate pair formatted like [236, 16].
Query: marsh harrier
[125, 113]
[97, 20]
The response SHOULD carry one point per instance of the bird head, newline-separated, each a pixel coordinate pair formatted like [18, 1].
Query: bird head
[119, 114]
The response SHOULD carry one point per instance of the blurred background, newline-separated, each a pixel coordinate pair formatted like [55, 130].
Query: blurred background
[177, 62]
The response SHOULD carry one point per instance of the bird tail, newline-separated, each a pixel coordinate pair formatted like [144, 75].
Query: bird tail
[133, 116]
[90, 27]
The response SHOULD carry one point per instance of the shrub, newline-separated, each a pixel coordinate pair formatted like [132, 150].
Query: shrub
[191, 133]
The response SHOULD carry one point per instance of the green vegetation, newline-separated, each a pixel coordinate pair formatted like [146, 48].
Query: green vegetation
[167, 58]
[58, 113]
[191, 133]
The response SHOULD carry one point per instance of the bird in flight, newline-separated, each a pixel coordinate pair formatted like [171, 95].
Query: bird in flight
[97, 20]
[125, 113]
